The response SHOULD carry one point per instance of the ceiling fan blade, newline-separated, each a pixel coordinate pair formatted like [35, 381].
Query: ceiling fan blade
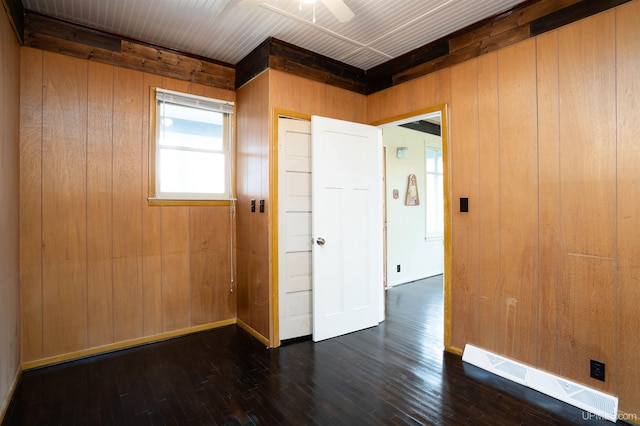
[340, 10]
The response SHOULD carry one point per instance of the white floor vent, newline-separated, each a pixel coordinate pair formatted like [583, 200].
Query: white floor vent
[591, 400]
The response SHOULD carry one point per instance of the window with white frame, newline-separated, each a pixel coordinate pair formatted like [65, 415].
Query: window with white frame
[192, 155]
[434, 193]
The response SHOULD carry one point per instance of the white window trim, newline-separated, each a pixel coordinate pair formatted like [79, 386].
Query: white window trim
[156, 197]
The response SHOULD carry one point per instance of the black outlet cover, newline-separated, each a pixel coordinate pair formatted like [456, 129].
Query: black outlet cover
[464, 205]
[597, 370]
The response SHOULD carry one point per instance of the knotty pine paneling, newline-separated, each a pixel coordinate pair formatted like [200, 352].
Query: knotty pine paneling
[465, 244]
[489, 203]
[549, 281]
[31, 65]
[110, 268]
[64, 176]
[99, 204]
[628, 179]
[587, 90]
[9, 211]
[518, 201]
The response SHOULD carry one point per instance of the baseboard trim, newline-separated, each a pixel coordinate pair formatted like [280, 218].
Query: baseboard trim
[629, 418]
[454, 350]
[246, 327]
[124, 345]
[4, 407]
[599, 404]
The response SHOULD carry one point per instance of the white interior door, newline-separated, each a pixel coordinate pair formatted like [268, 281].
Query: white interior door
[294, 227]
[347, 260]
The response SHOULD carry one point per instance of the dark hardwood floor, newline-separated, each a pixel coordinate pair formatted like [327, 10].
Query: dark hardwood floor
[393, 374]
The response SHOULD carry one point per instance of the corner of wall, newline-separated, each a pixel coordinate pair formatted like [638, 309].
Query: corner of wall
[9, 212]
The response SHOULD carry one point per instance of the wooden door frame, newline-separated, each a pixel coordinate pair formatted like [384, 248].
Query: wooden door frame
[274, 307]
[443, 110]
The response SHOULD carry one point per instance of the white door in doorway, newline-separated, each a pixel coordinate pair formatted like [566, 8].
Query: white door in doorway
[294, 227]
[347, 227]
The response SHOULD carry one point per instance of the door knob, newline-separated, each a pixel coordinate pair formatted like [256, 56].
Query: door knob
[320, 241]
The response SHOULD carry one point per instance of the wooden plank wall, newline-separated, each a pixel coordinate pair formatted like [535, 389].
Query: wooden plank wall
[256, 100]
[294, 93]
[543, 141]
[54, 35]
[9, 208]
[627, 317]
[100, 266]
[253, 184]
[528, 19]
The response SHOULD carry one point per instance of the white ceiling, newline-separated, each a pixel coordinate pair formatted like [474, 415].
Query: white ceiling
[227, 30]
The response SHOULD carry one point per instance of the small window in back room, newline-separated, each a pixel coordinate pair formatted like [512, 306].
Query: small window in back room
[435, 194]
[191, 157]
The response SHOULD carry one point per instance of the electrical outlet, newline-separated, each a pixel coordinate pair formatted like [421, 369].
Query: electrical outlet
[398, 268]
[597, 370]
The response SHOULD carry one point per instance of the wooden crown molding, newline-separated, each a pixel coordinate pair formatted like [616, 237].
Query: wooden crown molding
[54, 35]
[280, 55]
[528, 19]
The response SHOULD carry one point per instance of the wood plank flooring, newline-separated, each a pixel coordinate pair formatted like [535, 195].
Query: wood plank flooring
[393, 374]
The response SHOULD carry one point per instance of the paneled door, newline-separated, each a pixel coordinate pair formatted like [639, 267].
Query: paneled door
[347, 257]
[294, 227]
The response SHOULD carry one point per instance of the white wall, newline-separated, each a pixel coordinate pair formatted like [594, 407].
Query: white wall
[406, 225]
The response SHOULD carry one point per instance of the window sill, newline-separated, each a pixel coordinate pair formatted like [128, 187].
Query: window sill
[179, 202]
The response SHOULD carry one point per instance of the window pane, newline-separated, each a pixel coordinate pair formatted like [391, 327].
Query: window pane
[432, 207]
[431, 160]
[188, 127]
[435, 203]
[192, 172]
[440, 203]
[439, 162]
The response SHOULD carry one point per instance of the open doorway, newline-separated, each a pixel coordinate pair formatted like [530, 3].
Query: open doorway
[414, 180]
[279, 281]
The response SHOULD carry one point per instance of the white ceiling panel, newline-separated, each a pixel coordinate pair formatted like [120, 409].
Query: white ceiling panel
[227, 30]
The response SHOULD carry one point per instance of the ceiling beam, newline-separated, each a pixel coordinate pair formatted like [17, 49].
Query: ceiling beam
[424, 127]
